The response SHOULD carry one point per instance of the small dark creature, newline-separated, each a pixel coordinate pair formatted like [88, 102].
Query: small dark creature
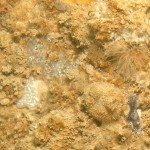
[133, 116]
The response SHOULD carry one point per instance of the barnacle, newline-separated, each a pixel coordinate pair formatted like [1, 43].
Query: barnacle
[127, 60]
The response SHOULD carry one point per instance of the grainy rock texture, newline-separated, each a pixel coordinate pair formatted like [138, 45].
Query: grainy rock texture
[67, 68]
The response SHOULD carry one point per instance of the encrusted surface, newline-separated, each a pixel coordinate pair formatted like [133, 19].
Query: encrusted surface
[67, 68]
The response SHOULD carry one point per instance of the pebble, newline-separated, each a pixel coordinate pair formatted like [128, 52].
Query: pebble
[5, 101]
[33, 126]
[6, 70]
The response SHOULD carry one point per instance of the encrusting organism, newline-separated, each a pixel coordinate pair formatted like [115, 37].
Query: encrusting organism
[134, 116]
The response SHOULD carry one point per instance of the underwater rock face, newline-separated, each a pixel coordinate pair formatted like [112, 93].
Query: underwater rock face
[67, 68]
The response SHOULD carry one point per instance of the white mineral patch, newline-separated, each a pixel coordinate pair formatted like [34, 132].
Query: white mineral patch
[32, 92]
[59, 68]
[37, 52]
[100, 9]
[139, 112]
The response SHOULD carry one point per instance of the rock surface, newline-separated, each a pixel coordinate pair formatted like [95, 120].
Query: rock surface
[67, 68]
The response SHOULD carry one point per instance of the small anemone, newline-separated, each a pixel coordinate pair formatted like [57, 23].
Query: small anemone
[127, 60]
